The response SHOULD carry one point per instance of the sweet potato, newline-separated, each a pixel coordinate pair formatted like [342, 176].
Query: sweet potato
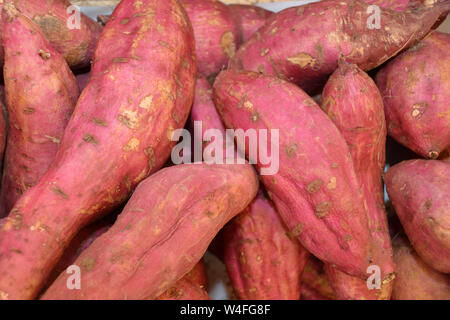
[83, 80]
[205, 111]
[315, 284]
[40, 102]
[59, 24]
[79, 243]
[416, 90]
[249, 19]
[415, 279]
[216, 34]
[256, 244]
[315, 190]
[192, 286]
[198, 275]
[141, 89]
[184, 289]
[163, 231]
[352, 101]
[420, 193]
[263, 261]
[341, 31]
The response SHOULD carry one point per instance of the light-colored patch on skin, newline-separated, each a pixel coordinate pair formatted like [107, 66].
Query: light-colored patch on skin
[129, 118]
[132, 145]
[248, 105]
[53, 139]
[332, 184]
[228, 44]
[38, 227]
[146, 102]
[303, 60]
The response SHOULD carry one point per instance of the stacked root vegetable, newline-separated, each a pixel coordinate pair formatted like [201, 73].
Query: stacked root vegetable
[91, 111]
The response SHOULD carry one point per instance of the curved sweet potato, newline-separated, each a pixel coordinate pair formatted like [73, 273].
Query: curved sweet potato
[315, 284]
[343, 32]
[249, 19]
[352, 101]
[163, 231]
[263, 261]
[255, 245]
[216, 34]
[40, 102]
[415, 279]
[77, 43]
[141, 89]
[420, 193]
[416, 90]
[315, 190]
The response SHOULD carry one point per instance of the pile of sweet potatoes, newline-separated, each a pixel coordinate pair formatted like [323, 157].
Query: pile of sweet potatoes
[285, 189]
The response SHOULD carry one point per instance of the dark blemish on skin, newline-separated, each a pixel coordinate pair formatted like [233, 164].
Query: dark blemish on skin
[29, 110]
[298, 229]
[314, 186]
[124, 21]
[322, 209]
[150, 153]
[120, 60]
[100, 122]
[291, 149]
[57, 190]
[428, 204]
[90, 139]
[18, 251]
[88, 264]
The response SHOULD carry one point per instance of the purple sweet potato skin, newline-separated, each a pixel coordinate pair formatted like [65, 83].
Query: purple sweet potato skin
[416, 90]
[420, 193]
[415, 279]
[163, 231]
[343, 32]
[39, 101]
[316, 191]
[216, 34]
[263, 261]
[249, 19]
[352, 101]
[141, 89]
